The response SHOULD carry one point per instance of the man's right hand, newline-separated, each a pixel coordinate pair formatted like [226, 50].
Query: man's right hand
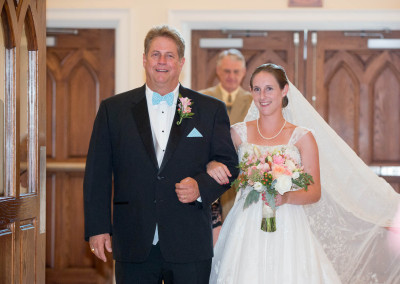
[97, 244]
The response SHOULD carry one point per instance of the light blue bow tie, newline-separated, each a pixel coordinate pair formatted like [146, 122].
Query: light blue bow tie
[168, 98]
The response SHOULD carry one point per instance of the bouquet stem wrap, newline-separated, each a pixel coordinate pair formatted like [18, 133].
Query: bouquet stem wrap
[268, 222]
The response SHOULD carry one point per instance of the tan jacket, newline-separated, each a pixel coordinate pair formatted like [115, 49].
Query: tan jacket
[238, 112]
[240, 106]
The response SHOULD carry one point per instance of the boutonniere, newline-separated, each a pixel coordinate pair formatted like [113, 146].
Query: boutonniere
[184, 109]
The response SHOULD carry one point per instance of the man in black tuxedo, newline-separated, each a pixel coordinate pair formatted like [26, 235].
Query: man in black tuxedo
[161, 223]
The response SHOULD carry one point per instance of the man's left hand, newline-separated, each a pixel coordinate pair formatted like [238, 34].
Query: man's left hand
[187, 190]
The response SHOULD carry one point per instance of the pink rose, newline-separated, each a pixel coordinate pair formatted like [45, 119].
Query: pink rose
[251, 159]
[264, 157]
[277, 171]
[277, 159]
[263, 167]
[185, 102]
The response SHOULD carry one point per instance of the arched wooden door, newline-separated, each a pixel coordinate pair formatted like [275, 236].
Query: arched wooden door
[80, 74]
[356, 90]
[22, 141]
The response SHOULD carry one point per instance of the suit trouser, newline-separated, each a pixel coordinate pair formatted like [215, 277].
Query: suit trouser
[155, 269]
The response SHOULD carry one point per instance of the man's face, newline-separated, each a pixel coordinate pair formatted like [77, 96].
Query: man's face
[163, 65]
[230, 73]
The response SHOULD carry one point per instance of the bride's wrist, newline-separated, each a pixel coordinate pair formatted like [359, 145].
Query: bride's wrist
[287, 197]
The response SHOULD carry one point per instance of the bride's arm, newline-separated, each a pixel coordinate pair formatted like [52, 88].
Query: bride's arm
[219, 171]
[310, 159]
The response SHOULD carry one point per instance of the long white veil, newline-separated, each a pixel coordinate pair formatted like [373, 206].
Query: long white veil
[355, 205]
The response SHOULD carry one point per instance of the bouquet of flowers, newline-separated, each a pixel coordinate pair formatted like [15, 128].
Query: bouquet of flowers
[269, 174]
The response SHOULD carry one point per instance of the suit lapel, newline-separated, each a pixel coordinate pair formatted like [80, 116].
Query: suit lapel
[142, 119]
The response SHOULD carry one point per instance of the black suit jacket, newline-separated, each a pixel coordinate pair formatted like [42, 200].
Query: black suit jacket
[121, 150]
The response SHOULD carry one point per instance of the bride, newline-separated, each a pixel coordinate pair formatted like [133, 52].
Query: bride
[333, 237]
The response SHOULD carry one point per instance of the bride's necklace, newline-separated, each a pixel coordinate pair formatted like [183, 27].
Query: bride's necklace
[270, 138]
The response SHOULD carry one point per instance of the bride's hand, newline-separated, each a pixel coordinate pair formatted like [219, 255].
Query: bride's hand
[281, 199]
[219, 172]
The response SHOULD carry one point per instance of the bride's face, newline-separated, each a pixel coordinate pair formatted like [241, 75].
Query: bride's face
[267, 94]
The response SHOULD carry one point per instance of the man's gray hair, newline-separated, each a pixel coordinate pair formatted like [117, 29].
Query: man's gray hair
[233, 53]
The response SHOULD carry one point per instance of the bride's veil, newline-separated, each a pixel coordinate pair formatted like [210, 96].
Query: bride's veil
[355, 205]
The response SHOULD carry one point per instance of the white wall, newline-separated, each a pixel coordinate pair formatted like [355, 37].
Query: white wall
[133, 18]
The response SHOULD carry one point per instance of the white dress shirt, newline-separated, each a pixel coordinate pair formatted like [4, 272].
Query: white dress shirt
[161, 118]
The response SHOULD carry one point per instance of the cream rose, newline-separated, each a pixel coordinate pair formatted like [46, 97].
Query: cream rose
[290, 165]
[283, 184]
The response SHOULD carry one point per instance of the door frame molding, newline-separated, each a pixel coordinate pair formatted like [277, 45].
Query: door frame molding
[293, 19]
[118, 19]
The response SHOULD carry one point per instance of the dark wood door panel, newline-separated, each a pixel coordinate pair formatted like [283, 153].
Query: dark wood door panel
[357, 93]
[81, 69]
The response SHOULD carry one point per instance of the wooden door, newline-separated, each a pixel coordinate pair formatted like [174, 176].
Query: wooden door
[80, 73]
[356, 90]
[283, 48]
[22, 146]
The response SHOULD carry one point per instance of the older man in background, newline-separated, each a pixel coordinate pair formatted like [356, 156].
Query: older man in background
[230, 69]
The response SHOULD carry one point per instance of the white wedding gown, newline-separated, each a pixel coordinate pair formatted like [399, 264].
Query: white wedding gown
[349, 222]
[246, 254]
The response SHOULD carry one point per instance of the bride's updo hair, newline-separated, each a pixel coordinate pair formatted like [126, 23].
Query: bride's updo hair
[278, 72]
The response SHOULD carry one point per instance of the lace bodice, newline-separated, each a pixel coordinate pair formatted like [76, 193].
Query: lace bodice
[290, 147]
